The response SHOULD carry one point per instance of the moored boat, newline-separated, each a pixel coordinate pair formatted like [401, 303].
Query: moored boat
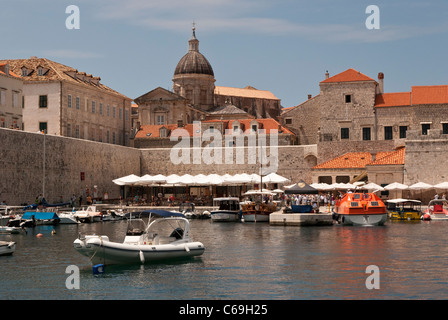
[404, 209]
[90, 214]
[228, 209]
[364, 209]
[436, 210]
[7, 248]
[165, 237]
[67, 218]
[257, 212]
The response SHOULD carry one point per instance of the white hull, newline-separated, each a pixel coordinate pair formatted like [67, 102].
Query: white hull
[102, 251]
[9, 230]
[7, 248]
[256, 217]
[225, 216]
[364, 219]
[67, 218]
[439, 217]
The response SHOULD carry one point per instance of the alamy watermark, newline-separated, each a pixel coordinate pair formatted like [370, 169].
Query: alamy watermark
[74, 19]
[373, 21]
[373, 280]
[211, 147]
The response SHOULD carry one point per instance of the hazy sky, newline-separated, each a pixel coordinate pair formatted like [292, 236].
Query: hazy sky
[284, 46]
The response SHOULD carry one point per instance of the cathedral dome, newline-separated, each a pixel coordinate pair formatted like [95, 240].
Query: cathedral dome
[193, 62]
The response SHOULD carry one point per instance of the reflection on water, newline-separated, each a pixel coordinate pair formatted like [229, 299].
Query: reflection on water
[241, 261]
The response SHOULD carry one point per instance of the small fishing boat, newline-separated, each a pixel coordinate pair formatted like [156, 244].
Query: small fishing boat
[113, 215]
[10, 230]
[39, 218]
[364, 209]
[165, 237]
[67, 218]
[7, 248]
[404, 209]
[436, 210]
[258, 212]
[188, 210]
[91, 214]
[228, 209]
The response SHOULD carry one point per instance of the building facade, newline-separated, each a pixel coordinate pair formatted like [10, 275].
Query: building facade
[60, 100]
[11, 98]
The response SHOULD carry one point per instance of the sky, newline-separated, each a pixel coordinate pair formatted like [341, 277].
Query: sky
[284, 46]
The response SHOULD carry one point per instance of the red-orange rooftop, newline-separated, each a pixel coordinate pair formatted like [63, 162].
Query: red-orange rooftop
[350, 75]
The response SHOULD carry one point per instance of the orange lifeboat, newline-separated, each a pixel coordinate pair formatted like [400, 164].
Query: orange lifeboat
[365, 209]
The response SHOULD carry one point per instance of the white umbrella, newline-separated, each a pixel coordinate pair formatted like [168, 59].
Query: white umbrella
[442, 185]
[127, 180]
[278, 191]
[274, 178]
[159, 179]
[239, 178]
[145, 180]
[186, 179]
[263, 191]
[396, 186]
[371, 186]
[215, 179]
[322, 186]
[421, 186]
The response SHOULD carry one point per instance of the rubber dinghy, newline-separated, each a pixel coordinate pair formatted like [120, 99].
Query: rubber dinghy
[166, 236]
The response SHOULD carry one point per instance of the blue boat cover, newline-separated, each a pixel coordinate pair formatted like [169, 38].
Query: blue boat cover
[40, 215]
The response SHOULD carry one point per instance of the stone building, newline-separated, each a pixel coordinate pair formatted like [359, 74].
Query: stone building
[196, 98]
[11, 98]
[63, 101]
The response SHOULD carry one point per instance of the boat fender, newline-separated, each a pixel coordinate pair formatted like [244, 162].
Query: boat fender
[187, 249]
[142, 257]
[39, 235]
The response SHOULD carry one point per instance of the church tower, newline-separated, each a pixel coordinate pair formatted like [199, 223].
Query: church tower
[194, 78]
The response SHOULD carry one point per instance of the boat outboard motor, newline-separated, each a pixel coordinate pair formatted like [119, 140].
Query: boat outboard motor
[177, 233]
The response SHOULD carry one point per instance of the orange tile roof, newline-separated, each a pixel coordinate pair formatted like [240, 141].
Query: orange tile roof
[360, 160]
[248, 92]
[152, 131]
[349, 75]
[393, 99]
[394, 157]
[429, 94]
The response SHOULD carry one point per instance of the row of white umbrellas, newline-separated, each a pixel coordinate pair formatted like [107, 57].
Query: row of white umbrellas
[198, 180]
[375, 187]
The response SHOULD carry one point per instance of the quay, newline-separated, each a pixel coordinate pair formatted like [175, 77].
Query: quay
[280, 218]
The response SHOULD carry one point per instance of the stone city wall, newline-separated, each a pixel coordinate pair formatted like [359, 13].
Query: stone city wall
[71, 166]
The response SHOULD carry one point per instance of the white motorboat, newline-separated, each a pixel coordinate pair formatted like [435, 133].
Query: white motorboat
[228, 209]
[114, 215]
[91, 214]
[67, 218]
[165, 237]
[437, 210]
[10, 230]
[7, 248]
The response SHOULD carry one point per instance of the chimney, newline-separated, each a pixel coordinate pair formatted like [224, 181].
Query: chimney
[7, 69]
[327, 75]
[381, 82]
[310, 96]
[373, 156]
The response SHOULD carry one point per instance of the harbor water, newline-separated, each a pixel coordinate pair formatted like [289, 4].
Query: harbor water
[242, 261]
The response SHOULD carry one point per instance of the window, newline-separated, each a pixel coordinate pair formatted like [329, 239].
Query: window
[348, 98]
[93, 106]
[425, 128]
[40, 71]
[69, 101]
[366, 134]
[2, 97]
[114, 112]
[388, 133]
[101, 108]
[120, 112]
[288, 121]
[108, 110]
[444, 128]
[212, 129]
[127, 115]
[24, 72]
[77, 131]
[43, 103]
[345, 133]
[43, 127]
[108, 136]
[403, 130]
[162, 132]
[69, 130]
[235, 128]
[77, 103]
[254, 128]
[160, 119]
[15, 99]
